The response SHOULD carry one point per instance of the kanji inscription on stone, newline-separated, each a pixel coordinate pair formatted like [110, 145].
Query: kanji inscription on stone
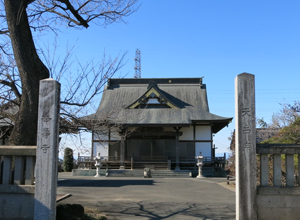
[46, 133]
[45, 148]
[45, 117]
[246, 118]
[246, 131]
[246, 111]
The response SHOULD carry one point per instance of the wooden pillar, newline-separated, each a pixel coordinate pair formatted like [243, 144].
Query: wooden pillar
[177, 153]
[92, 151]
[151, 149]
[245, 147]
[47, 150]
[212, 155]
[169, 164]
[109, 143]
[194, 138]
[122, 152]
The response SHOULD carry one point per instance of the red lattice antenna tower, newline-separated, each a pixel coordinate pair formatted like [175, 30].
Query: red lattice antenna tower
[138, 73]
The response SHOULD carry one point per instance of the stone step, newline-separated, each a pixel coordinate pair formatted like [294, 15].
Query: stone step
[125, 173]
[154, 173]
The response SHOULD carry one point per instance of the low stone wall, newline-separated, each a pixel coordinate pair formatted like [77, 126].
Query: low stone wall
[210, 172]
[16, 188]
[87, 172]
[17, 202]
[278, 203]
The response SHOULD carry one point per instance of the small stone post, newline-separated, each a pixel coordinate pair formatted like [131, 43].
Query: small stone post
[131, 167]
[245, 147]
[47, 150]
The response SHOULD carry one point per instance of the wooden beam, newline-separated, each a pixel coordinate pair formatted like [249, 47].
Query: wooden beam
[156, 133]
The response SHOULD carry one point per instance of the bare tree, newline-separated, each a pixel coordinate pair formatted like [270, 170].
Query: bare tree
[287, 115]
[260, 122]
[22, 68]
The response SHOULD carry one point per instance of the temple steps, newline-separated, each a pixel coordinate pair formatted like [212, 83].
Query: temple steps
[154, 173]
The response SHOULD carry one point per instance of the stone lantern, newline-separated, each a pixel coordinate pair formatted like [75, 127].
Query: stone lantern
[98, 164]
[147, 173]
[200, 164]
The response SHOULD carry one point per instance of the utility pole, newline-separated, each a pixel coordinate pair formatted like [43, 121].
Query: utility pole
[138, 73]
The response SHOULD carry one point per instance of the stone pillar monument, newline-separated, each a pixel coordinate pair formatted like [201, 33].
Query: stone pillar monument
[245, 147]
[47, 150]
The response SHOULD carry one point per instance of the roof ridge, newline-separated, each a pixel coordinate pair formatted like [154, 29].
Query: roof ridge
[118, 81]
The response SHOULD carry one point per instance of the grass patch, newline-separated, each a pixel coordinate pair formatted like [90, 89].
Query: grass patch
[93, 214]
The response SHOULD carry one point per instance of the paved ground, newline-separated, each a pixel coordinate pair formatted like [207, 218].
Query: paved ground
[153, 198]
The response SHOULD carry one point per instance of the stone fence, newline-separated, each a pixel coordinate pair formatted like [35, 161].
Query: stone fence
[281, 198]
[28, 174]
[17, 186]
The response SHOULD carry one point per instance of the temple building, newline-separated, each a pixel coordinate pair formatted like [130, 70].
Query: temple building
[163, 123]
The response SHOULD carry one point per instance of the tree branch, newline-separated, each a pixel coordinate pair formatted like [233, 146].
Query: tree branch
[6, 32]
[74, 12]
[12, 85]
[7, 115]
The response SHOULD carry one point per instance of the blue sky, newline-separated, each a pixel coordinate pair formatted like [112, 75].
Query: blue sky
[217, 39]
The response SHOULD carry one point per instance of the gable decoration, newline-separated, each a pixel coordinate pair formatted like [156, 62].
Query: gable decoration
[153, 92]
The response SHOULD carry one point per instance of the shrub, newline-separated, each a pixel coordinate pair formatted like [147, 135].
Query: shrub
[69, 211]
[68, 160]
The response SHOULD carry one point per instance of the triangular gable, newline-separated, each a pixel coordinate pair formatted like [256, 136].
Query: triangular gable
[153, 92]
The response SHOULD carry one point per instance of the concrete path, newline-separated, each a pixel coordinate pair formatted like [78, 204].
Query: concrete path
[153, 198]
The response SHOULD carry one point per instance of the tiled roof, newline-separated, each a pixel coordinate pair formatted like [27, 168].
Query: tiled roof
[188, 94]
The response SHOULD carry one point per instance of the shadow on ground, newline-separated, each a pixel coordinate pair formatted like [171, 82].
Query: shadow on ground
[158, 211]
[103, 183]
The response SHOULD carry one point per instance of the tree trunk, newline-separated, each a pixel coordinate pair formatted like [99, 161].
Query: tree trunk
[31, 70]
